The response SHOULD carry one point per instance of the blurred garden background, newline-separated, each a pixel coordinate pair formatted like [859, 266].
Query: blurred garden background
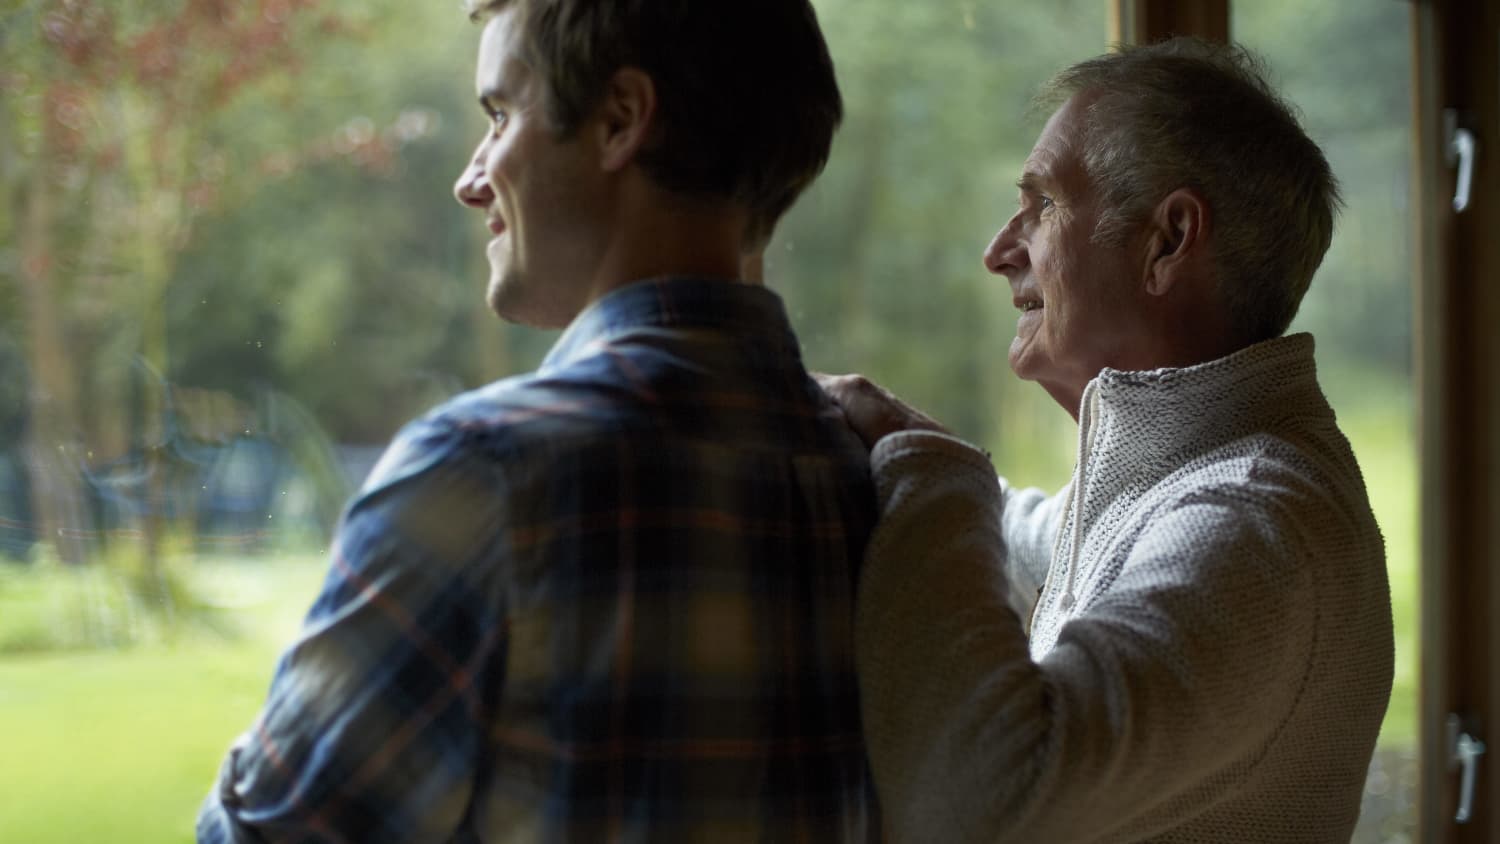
[231, 267]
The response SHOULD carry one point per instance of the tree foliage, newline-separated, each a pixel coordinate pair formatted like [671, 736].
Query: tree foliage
[255, 195]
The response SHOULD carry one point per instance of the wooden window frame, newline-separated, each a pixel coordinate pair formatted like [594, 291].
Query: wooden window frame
[1455, 66]
[1145, 21]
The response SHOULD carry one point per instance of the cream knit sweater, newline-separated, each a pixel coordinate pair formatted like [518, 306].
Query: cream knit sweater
[1211, 650]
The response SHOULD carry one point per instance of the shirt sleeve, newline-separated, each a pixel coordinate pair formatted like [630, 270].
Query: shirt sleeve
[1029, 522]
[1142, 701]
[374, 724]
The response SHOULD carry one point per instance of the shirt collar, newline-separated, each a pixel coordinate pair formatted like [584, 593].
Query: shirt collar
[1252, 390]
[1287, 360]
[681, 303]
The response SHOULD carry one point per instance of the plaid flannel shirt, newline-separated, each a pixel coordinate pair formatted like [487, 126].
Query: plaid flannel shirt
[611, 600]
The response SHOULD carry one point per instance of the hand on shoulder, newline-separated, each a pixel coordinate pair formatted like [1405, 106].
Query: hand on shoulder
[873, 411]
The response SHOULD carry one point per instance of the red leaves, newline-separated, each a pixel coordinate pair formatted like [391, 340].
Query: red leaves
[154, 58]
[200, 58]
[83, 33]
[183, 66]
[66, 111]
[142, 95]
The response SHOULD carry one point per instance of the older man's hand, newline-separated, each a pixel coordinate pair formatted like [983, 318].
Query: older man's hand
[871, 410]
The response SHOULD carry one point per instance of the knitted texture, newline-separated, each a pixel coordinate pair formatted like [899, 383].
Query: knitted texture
[1210, 653]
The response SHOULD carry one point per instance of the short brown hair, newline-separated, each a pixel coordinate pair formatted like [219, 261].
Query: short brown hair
[747, 98]
[1192, 113]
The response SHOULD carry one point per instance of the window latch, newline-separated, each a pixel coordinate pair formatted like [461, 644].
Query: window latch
[1461, 149]
[1464, 751]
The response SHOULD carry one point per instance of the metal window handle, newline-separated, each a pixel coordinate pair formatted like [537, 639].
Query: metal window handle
[1462, 148]
[1463, 751]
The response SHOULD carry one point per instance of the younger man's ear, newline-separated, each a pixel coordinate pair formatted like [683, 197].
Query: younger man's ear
[1177, 240]
[626, 117]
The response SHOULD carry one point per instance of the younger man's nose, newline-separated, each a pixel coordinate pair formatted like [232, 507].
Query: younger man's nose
[472, 188]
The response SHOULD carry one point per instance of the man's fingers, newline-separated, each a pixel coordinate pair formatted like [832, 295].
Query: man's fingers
[871, 410]
[844, 388]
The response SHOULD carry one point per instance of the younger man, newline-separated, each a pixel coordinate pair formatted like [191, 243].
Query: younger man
[610, 600]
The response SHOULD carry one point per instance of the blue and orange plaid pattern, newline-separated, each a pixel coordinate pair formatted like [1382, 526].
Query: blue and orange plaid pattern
[608, 601]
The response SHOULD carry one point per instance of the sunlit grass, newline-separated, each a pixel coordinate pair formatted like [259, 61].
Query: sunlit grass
[1375, 414]
[121, 745]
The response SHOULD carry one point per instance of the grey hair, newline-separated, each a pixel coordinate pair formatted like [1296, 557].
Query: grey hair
[1191, 113]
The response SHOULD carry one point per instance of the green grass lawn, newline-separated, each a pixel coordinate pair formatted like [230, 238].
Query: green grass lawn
[121, 745]
[1375, 414]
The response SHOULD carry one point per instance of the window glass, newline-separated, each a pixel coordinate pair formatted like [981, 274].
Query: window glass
[1347, 66]
[231, 268]
[881, 261]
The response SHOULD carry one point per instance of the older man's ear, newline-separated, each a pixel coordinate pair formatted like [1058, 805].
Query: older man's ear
[1178, 241]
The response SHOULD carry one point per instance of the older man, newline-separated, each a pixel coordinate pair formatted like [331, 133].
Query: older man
[1192, 640]
[611, 600]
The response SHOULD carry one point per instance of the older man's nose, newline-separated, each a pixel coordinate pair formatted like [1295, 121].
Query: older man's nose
[1006, 252]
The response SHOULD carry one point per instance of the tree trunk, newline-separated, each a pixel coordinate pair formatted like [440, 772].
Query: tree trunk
[56, 485]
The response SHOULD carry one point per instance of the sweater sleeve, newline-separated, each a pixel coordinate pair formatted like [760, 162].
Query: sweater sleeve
[1142, 708]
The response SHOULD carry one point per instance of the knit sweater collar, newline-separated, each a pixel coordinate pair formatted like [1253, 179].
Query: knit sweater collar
[1136, 428]
[1206, 404]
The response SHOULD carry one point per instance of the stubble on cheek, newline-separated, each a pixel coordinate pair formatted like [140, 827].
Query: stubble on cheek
[498, 251]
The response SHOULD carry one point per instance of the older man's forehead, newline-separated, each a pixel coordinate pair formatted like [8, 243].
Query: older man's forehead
[1056, 159]
[1034, 180]
[1044, 167]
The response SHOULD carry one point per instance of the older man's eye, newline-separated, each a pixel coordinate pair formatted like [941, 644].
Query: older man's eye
[1044, 201]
